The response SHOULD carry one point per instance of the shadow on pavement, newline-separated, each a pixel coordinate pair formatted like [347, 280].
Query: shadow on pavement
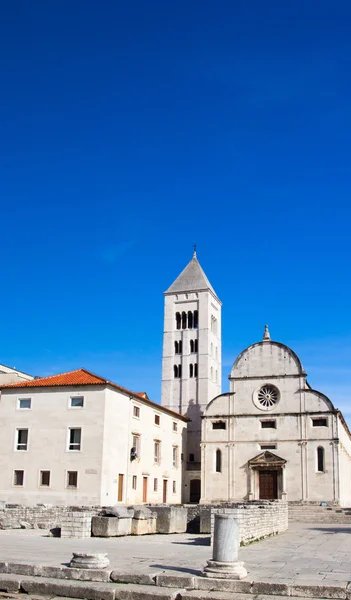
[180, 569]
[196, 542]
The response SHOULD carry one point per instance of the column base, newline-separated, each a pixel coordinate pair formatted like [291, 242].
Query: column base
[225, 570]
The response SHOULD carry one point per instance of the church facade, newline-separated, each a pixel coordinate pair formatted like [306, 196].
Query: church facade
[271, 436]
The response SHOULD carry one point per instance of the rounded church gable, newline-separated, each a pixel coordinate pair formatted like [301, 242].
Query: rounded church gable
[267, 358]
[218, 405]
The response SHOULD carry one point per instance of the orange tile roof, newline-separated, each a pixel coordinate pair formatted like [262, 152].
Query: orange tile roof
[83, 377]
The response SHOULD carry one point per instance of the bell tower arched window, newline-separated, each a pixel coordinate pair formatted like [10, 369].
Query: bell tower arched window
[175, 369]
[191, 370]
[196, 319]
[218, 461]
[176, 348]
[183, 320]
[195, 370]
[195, 349]
[178, 320]
[191, 345]
[190, 319]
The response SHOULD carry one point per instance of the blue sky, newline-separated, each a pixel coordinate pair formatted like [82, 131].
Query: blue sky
[129, 131]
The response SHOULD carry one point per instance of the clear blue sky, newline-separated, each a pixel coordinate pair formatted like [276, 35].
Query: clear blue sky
[129, 131]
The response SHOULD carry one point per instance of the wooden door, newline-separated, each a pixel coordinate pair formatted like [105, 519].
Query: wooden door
[195, 491]
[164, 500]
[120, 487]
[268, 485]
[144, 489]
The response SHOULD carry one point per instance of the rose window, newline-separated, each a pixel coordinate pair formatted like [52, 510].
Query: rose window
[268, 396]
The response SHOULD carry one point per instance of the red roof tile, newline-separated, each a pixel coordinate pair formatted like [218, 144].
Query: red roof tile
[82, 377]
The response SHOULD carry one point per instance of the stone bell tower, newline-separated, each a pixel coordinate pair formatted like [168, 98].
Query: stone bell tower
[191, 361]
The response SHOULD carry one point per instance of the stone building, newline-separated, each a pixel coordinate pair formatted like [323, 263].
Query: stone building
[12, 375]
[191, 363]
[272, 436]
[79, 439]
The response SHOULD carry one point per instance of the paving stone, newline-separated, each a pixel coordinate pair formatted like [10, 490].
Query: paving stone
[203, 595]
[143, 592]
[223, 585]
[183, 581]
[76, 589]
[261, 587]
[133, 577]
[10, 583]
[318, 591]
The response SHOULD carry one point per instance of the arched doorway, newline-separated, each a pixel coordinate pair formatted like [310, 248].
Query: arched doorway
[195, 491]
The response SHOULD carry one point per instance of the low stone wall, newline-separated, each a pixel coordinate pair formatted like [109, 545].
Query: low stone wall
[16, 516]
[256, 520]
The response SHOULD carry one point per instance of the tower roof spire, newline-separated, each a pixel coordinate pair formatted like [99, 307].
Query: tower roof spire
[191, 279]
[266, 334]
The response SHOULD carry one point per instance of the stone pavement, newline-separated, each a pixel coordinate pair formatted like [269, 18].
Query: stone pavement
[306, 554]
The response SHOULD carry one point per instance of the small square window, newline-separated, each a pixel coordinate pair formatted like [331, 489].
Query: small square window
[22, 439]
[268, 446]
[25, 403]
[175, 426]
[269, 424]
[77, 401]
[174, 487]
[191, 457]
[157, 419]
[322, 422]
[75, 436]
[45, 478]
[72, 479]
[155, 484]
[134, 482]
[219, 425]
[136, 411]
[18, 477]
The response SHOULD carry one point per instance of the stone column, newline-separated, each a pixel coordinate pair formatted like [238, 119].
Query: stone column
[224, 564]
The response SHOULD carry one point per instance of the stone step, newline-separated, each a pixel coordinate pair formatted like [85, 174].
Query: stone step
[167, 587]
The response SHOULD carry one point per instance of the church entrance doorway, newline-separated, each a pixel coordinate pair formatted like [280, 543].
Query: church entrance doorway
[195, 491]
[268, 485]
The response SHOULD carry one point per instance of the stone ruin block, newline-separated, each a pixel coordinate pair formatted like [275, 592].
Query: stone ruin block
[111, 526]
[144, 522]
[205, 520]
[171, 519]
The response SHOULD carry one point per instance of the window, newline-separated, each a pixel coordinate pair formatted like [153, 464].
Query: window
[72, 479]
[180, 347]
[176, 348]
[195, 346]
[175, 455]
[155, 484]
[190, 320]
[157, 419]
[219, 425]
[195, 370]
[25, 403]
[269, 424]
[268, 396]
[136, 444]
[191, 345]
[177, 371]
[175, 426]
[216, 376]
[183, 320]
[18, 477]
[322, 422]
[178, 320]
[196, 319]
[211, 349]
[268, 446]
[45, 478]
[211, 373]
[134, 482]
[218, 461]
[191, 457]
[213, 324]
[157, 452]
[136, 412]
[75, 436]
[320, 460]
[191, 370]
[22, 439]
[174, 487]
[180, 371]
[77, 402]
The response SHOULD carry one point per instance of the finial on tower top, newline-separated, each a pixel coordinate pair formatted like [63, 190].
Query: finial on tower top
[194, 246]
[266, 335]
